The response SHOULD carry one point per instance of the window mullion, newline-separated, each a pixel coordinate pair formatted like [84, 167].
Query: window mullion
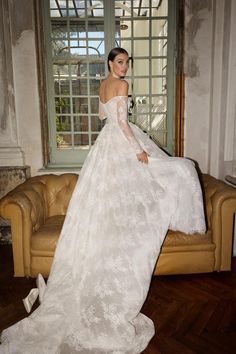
[109, 26]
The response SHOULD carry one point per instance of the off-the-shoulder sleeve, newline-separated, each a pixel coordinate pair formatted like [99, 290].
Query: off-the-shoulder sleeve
[102, 114]
[122, 117]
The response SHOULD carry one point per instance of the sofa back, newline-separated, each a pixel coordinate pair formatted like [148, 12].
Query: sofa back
[56, 191]
[214, 191]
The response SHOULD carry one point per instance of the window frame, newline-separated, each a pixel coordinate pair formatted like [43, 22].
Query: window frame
[177, 140]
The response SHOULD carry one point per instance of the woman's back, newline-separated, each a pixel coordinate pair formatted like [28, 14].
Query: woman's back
[112, 87]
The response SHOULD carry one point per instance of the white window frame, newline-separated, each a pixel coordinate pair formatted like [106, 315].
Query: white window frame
[75, 158]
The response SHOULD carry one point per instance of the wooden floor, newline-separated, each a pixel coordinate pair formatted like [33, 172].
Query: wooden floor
[193, 314]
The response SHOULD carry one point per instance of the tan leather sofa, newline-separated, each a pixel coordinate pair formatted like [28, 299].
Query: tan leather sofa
[37, 208]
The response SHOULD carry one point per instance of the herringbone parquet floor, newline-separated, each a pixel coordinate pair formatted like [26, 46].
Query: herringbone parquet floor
[193, 314]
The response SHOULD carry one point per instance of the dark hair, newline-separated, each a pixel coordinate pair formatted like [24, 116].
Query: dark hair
[113, 53]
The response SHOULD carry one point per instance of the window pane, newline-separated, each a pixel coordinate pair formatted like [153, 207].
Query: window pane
[159, 47]
[81, 123]
[158, 122]
[59, 29]
[141, 28]
[96, 47]
[98, 12]
[75, 8]
[141, 86]
[62, 105]
[94, 86]
[96, 29]
[55, 13]
[141, 100]
[94, 105]
[78, 70]
[64, 141]
[122, 10]
[80, 87]
[63, 123]
[159, 27]
[78, 47]
[159, 66]
[141, 48]
[122, 29]
[141, 67]
[77, 29]
[80, 105]
[62, 87]
[159, 85]
[95, 9]
[159, 104]
[60, 48]
[160, 8]
[81, 140]
[61, 80]
[97, 69]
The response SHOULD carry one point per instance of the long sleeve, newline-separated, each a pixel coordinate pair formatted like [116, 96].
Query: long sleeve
[102, 114]
[122, 117]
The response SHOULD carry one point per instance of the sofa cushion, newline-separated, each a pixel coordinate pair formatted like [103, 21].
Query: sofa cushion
[44, 240]
[177, 241]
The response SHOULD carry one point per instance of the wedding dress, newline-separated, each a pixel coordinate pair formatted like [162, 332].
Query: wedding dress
[116, 222]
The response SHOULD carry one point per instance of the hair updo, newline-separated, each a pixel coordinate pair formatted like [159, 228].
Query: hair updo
[113, 53]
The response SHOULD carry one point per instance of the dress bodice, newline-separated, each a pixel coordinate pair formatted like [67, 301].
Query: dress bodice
[116, 112]
[110, 108]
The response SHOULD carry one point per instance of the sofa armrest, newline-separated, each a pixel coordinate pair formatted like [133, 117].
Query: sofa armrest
[220, 202]
[26, 209]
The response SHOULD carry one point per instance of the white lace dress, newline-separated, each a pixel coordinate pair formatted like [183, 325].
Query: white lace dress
[116, 222]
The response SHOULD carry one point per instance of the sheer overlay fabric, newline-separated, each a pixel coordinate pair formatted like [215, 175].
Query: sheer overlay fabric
[116, 222]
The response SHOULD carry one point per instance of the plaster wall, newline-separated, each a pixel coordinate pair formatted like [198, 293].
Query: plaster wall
[20, 131]
[198, 43]
[10, 152]
[209, 87]
[26, 83]
[210, 90]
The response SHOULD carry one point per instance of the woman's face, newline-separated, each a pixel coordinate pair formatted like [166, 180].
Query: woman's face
[120, 65]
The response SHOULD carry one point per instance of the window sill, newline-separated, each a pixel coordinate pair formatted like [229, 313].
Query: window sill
[231, 180]
[57, 169]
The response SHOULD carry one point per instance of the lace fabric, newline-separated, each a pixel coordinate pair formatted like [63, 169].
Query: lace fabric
[116, 222]
[122, 118]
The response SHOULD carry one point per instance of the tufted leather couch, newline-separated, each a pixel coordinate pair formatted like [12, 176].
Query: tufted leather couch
[37, 208]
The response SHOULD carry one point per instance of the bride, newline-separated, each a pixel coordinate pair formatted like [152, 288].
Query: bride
[129, 193]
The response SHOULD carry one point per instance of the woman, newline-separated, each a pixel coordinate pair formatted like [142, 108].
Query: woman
[128, 194]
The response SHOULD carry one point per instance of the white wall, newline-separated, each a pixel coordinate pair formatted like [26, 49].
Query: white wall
[27, 100]
[210, 89]
[21, 136]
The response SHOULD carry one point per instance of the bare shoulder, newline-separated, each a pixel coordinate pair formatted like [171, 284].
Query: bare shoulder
[101, 87]
[122, 88]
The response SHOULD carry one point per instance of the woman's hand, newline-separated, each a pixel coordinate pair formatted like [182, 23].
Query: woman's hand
[143, 157]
